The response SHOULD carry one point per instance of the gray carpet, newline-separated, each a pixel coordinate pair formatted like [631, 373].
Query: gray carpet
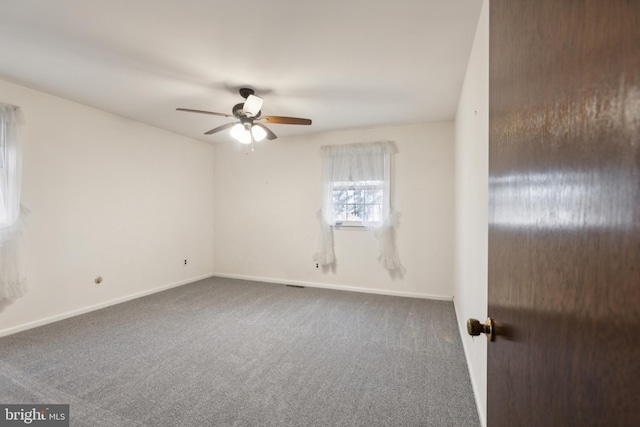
[224, 352]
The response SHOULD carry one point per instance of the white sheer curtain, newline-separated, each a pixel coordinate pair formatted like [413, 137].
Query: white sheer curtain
[357, 163]
[12, 261]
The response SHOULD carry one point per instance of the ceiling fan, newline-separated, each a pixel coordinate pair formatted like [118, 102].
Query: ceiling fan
[251, 126]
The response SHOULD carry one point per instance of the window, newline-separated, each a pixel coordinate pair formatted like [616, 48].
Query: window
[357, 201]
[356, 191]
[356, 183]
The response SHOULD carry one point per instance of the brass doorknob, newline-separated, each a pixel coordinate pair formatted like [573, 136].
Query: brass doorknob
[475, 328]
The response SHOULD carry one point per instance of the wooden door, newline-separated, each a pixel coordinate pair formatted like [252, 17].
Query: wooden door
[564, 232]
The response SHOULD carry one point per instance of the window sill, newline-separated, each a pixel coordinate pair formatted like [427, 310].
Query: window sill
[349, 226]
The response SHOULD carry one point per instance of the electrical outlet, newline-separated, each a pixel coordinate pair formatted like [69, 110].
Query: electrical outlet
[317, 265]
[185, 262]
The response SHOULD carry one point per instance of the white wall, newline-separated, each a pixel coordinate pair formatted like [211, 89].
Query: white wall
[472, 198]
[108, 197]
[266, 202]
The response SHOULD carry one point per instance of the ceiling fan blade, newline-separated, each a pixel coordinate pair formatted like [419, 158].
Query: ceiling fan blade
[203, 112]
[270, 135]
[252, 106]
[220, 128]
[284, 120]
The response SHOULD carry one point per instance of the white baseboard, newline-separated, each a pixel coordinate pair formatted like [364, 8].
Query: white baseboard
[336, 287]
[474, 386]
[83, 310]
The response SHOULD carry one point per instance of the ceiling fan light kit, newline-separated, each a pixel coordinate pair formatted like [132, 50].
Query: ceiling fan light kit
[240, 133]
[244, 132]
[252, 106]
[258, 133]
[251, 126]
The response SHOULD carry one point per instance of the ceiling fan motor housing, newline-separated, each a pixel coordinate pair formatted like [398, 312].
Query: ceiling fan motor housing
[245, 92]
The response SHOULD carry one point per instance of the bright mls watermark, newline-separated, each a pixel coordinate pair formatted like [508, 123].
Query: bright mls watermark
[34, 415]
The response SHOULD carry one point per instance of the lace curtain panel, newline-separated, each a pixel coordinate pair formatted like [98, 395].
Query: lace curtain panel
[12, 260]
[360, 163]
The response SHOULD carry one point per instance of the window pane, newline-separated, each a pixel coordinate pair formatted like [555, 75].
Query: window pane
[366, 213]
[352, 212]
[369, 196]
[350, 196]
[377, 196]
[376, 213]
[339, 212]
[362, 195]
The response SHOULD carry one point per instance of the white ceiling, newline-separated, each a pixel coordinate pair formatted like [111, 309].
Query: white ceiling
[341, 63]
